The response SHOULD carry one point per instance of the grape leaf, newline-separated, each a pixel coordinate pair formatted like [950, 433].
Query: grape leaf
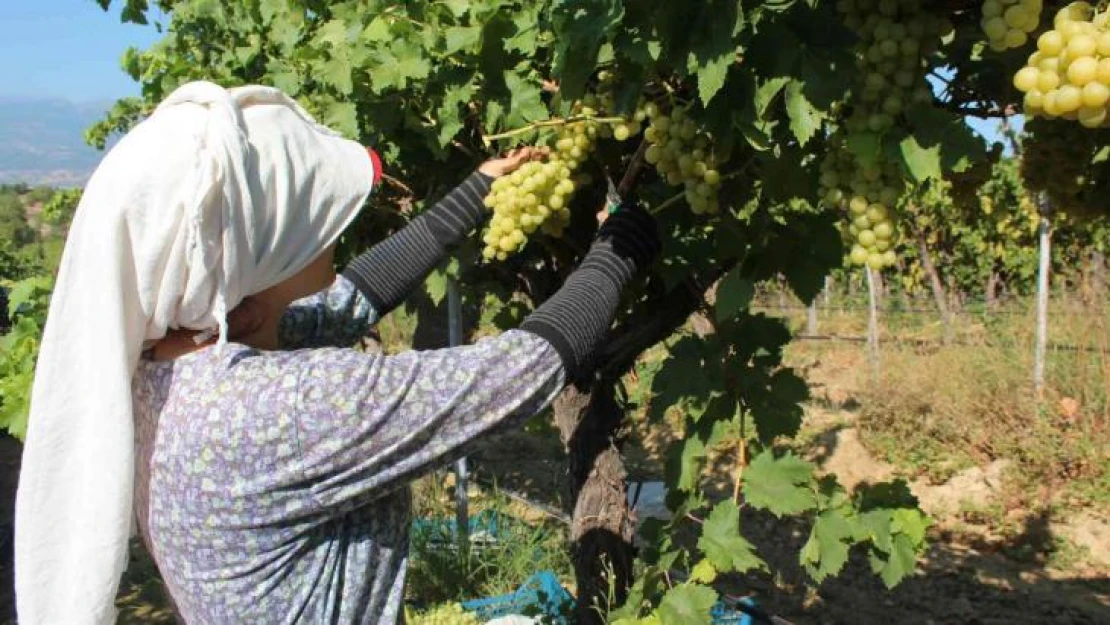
[684, 463]
[284, 76]
[959, 148]
[898, 564]
[826, 551]
[404, 61]
[815, 243]
[377, 30]
[436, 286]
[333, 33]
[584, 25]
[336, 71]
[875, 525]
[526, 38]
[921, 162]
[780, 411]
[343, 117]
[722, 543]
[712, 74]
[703, 572]
[285, 31]
[459, 37]
[805, 119]
[779, 485]
[527, 100]
[734, 294]
[449, 119]
[673, 386]
[766, 92]
[26, 291]
[458, 7]
[687, 604]
[269, 8]
[714, 53]
[911, 522]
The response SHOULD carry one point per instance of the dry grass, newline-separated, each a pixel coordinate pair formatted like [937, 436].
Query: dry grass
[935, 409]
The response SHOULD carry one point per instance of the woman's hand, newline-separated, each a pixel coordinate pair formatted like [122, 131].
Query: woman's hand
[497, 167]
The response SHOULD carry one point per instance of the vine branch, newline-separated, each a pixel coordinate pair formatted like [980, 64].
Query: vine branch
[548, 123]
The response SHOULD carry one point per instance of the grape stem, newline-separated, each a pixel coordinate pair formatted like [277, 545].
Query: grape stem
[633, 168]
[397, 183]
[674, 199]
[677, 197]
[551, 123]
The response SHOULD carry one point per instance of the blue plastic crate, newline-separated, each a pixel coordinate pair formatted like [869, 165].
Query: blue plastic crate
[723, 614]
[540, 596]
[486, 526]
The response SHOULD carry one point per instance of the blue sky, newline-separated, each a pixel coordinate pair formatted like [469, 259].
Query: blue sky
[66, 49]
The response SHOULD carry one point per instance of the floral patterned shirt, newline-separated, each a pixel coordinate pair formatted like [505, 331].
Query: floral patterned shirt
[272, 485]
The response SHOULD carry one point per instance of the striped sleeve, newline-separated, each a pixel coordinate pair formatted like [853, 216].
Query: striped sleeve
[390, 270]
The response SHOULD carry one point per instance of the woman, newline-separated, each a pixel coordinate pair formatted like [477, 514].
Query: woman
[272, 463]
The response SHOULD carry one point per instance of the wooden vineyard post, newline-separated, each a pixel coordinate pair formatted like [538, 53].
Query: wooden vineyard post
[872, 323]
[1044, 236]
[939, 296]
[811, 318]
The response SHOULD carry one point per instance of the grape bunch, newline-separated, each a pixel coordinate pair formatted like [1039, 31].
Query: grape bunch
[537, 196]
[869, 194]
[683, 155]
[894, 36]
[604, 101]
[1007, 23]
[1069, 74]
[446, 614]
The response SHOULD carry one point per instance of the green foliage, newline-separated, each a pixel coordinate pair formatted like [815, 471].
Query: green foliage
[27, 265]
[779, 485]
[687, 604]
[58, 209]
[28, 301]
[722, 543]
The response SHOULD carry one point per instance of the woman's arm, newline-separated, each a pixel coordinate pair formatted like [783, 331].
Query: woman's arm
[390, 270]
[379, 280]
[368, 424]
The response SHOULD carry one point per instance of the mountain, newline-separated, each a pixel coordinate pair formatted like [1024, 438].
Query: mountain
[42, 141]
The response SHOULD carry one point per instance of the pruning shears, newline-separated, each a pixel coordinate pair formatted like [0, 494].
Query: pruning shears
[612, 198]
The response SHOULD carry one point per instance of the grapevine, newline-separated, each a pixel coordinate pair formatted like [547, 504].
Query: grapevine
[893, 38]
[1007, 23]
[1068, 75]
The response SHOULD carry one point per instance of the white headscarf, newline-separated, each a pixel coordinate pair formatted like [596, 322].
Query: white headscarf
[218, 195]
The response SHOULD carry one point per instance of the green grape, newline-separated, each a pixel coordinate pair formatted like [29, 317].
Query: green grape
[446, 614]
[679, 152]
[535, 196]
